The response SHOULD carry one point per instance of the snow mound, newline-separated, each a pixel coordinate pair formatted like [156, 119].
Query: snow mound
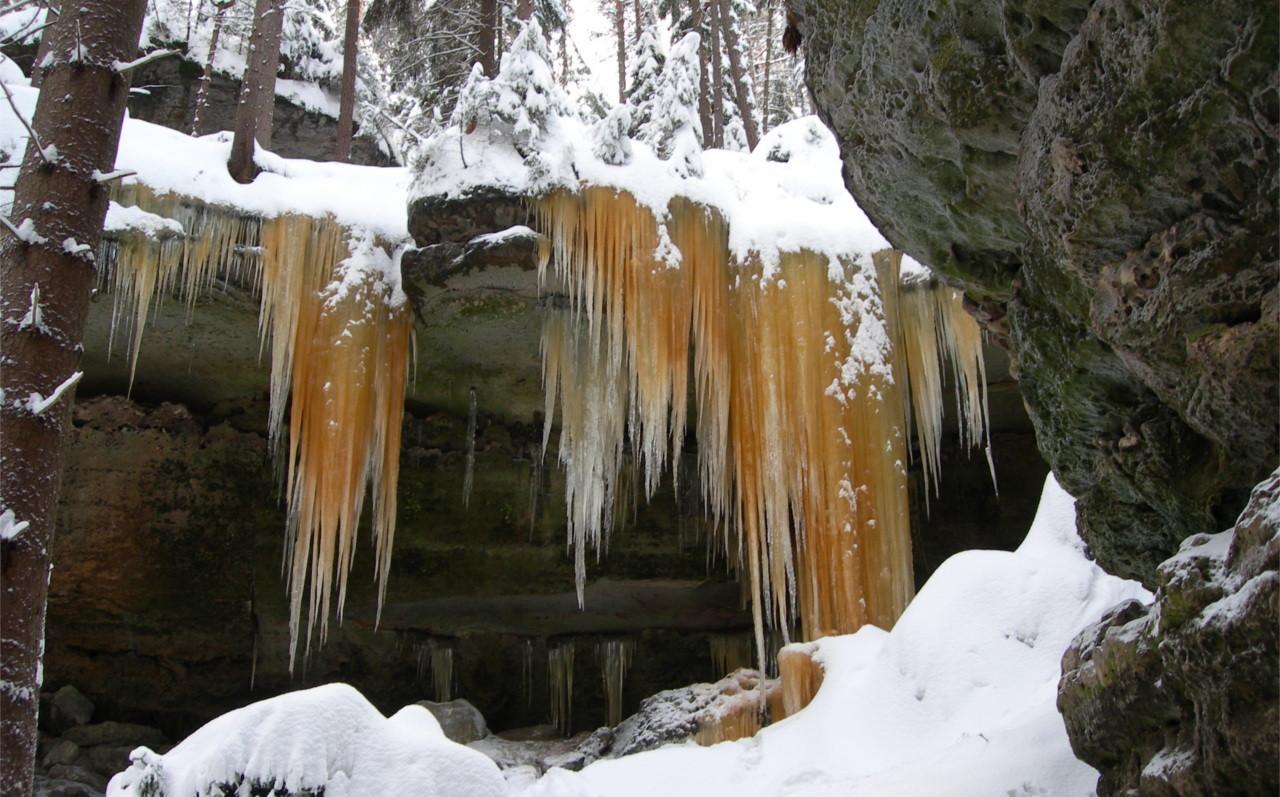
[326, 740]
[959, 698]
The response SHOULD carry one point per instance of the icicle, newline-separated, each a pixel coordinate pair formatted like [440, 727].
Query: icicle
[469, 474]
[441, 670]
[526, 671]
[801, 677]
[560, 684]
[729, 652]
[339, 360]
[614, 656]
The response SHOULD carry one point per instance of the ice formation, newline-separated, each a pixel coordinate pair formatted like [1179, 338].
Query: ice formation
[729, 652]
[614, 656]
[560, 683]
[339, 335]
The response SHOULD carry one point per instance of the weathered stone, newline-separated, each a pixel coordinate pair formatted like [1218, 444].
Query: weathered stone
[460, 721]
[57, 787]
[77, 774]
[1145, 693]
[63, 751]
[69, 708]
[117, 734]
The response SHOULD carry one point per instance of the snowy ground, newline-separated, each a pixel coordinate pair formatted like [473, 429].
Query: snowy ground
[958, 699]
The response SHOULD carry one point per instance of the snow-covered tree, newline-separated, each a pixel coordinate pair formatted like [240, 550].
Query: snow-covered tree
[676, 131]
[526, 94]
[610, 141]
[645, 78]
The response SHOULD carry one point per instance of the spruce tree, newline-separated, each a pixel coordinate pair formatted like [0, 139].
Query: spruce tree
[676, 130]
[645, 79]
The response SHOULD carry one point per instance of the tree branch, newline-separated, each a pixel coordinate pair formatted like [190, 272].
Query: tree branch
[125, 67]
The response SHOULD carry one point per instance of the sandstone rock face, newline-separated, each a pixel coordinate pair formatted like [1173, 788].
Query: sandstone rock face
[1181, 697]
[1102, 179]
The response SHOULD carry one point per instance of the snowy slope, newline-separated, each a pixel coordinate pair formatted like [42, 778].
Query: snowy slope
[958, 699]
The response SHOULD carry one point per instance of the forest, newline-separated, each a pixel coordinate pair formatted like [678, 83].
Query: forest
[622, 397]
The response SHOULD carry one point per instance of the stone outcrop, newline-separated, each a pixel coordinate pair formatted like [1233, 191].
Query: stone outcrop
[1145, 693]
[1102, 179]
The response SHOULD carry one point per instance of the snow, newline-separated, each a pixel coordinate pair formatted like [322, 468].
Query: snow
[329, 737]
[121, 218]
[959, 698]
[10, 527]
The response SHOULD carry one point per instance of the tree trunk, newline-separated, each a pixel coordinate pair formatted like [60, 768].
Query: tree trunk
[202, 91]
[564, 57]
[737, 74]
[768, 65]
[347, 105]
[488, 35]
[635, 37]
[524, 9]
[46, 278]
[42, 49]
[717, 78]
[620, 31]
[696, 22]
[258, 90]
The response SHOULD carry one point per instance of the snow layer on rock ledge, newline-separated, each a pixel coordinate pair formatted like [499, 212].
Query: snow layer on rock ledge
[328, 737]
[960, 698]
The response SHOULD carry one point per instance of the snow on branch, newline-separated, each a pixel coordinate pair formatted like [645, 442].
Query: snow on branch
[125, 67]
[107, 177]
[10, 526]
[39, 147]
[39, 404]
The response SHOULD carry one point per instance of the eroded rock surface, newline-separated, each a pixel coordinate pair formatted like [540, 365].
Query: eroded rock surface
[1180, 697]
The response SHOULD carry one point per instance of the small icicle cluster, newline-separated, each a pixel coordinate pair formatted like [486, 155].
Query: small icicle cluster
[560, 657]
[614, 656]
[339, 336]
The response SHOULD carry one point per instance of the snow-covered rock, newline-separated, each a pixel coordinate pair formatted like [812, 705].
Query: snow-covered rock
[328, 738]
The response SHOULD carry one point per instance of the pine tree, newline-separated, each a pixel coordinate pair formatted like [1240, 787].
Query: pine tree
[258, 89]
[347, 106]
[676, 130]
[526, 95]
[645, 78]
[47, 274]
[610, 142]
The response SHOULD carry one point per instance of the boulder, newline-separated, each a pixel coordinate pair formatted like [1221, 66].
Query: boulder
[460, 721]
[68, 708]
[62, 751]
[1145, 694]
[117, 734]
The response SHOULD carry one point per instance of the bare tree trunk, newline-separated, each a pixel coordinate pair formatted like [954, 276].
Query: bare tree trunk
[46, 278]
[564, 57]
[768, 64]
[258, 90]
[202, 91]
[347, 105]
[51, 10]
[696, 22]
[620, 31]
[737, 74]
[524, 9]
[635, 37]
[717, 78]
[488, 34]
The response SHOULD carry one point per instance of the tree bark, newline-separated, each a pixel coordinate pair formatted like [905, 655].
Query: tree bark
[347, 105]
[696, 22]
[258, 90]
[488, 36]
[635, 36]
[620, 31]
[768, 65]
[202, 91]
[524, 9]
[717, 78]
[737, 74]
[42, 49]
[79, 112]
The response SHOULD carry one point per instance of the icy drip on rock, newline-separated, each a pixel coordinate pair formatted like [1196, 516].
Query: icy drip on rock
[614, 656]
[526, 671]
[469, 474]
[339, 334]
[560, 684]
[442, 671]
[729, 652]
